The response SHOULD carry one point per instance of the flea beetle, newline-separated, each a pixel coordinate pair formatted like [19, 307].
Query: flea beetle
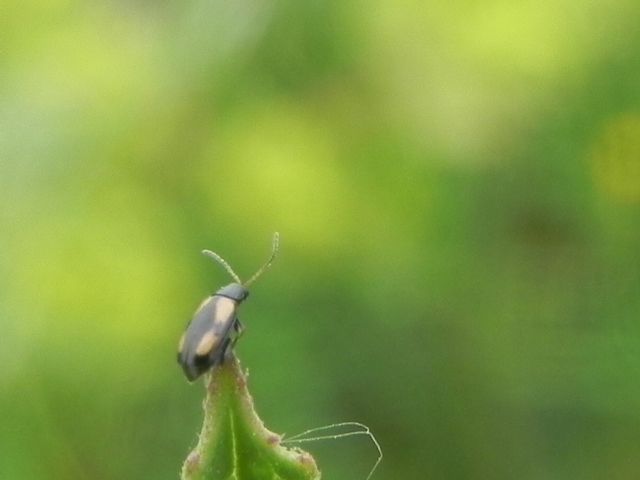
[215, 327]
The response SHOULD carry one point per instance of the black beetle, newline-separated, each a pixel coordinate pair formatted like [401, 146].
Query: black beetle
[215, 327]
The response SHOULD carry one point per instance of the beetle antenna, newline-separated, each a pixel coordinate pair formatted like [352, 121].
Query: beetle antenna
[263, 268]
[222, 262]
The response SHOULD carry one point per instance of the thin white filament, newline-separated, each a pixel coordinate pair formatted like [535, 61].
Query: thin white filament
[303, 437]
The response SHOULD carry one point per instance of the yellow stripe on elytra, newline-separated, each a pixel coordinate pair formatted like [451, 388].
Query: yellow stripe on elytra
[224, 309]
[208, 341]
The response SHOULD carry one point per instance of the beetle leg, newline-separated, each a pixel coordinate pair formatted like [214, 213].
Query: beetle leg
[230, 343]
[239, 328]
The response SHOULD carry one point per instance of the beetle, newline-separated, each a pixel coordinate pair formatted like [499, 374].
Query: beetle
[214, 329]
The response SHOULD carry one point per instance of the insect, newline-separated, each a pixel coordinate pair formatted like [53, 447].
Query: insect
[214, 329]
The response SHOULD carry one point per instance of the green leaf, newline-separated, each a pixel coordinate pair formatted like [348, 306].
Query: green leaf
[234, 443]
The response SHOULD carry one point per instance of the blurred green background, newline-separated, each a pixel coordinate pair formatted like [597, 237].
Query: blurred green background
[457, 187]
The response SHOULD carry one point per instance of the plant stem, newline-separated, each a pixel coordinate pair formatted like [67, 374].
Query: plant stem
[234, 443]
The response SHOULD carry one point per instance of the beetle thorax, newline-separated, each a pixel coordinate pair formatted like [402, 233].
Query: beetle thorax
[234, 291]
